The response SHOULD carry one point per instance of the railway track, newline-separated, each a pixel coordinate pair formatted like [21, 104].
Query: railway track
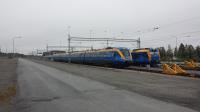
[186, 68]
[189, 73]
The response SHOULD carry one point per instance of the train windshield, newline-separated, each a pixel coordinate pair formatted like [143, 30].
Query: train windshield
[125, 52]
[153, 51]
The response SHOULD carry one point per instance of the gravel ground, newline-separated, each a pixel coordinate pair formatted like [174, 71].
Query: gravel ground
[8, 79]
[184, 91]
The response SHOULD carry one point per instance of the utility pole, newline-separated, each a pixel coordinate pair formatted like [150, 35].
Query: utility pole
[176, 42]
[47, 47]
[92, 48]
[37, 51]
[138, 43]
[91, 39]
[176, 46]
[69, 39]
[107, 43]
[90, 34]
[60, 44]
[13, 46]
[106, 37]
[69, 50]
[13, 39]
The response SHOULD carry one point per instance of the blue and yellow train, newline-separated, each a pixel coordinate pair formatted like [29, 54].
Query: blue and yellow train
[145, 56]
[114, 57]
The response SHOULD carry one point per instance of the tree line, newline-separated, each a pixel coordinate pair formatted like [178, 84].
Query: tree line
[183, 52]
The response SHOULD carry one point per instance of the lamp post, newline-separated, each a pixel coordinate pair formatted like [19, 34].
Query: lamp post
[91, 33]
[47, 46]
[17, 37]
[69, 41]
[176, 40]
[107, 43]
[138, 41]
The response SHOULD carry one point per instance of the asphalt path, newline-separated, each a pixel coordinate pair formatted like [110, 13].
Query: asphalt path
[46, 89]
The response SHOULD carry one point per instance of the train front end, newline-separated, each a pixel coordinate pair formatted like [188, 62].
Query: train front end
[122, 57]
[155, 56]
[141, 57]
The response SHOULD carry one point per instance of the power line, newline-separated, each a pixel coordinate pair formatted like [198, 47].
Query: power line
[179, 22]
[177, 35]
[80, 39]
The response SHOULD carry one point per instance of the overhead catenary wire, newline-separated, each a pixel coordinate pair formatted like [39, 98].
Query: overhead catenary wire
[179, 34]
[170, 36]
[72, 38]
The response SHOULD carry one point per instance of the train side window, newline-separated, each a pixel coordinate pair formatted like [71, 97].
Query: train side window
[145, 55]
[116, 54]
[135, 56]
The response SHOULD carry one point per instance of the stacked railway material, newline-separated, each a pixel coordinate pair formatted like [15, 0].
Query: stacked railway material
[188, 73]
[187, 65]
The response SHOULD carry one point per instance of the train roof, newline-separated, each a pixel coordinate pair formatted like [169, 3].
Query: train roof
[103, 49]
[144, 49]
[140, 50]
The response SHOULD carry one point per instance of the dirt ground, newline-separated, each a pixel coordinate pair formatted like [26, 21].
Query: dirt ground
[8, 81]
[184, 91]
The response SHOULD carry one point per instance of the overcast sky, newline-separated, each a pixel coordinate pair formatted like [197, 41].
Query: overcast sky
[42, 21]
